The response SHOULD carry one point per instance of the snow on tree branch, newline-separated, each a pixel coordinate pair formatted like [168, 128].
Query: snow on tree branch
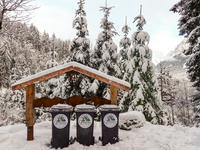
[141, 21]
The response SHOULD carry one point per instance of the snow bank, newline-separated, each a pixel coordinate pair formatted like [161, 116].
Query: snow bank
[131, 119]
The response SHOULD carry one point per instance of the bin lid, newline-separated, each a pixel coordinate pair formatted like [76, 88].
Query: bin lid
[85, 108]
[109, 108]
[61, 108]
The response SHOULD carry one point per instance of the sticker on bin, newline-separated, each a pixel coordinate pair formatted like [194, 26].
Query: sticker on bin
[60, 121]
[85, 121]
[110, 120]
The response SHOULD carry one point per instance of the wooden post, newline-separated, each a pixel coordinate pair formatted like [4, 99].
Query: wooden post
[30, 111]
[113, 94]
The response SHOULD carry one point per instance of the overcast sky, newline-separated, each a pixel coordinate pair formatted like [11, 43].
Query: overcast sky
[57, 16]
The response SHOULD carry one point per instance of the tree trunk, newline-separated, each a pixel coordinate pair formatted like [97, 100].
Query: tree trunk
[172, 115]
[1, 19]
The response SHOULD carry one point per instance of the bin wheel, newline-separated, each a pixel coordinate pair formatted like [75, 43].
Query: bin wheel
[72, 140]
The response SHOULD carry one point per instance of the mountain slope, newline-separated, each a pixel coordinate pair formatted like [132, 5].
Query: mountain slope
[175, 61]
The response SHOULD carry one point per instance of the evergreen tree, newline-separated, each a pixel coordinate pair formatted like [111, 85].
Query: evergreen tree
[5, 63]
[143, 95]
[189, 25]
[52, 84]
[13, 109]
[79, 52]
[34, 37]
[125, 44]
[80, 46]
[44, 51]
[63, 49]
[106, 58]
[13, 106]
[53, 55]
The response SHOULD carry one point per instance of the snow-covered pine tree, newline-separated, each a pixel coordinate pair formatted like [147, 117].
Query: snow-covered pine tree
[45, 48]
[189, 25]
[125, 44]
[51, 87]
[143, 95]
[5, 63]
[79, 52]
[63, 49]
[52, 84]
[34, 37]
[13, 106]
[106, 57]
[53, 55]
[80, 46]
[6, 59]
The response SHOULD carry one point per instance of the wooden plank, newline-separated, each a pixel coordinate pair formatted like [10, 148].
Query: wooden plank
[100, 78]
[74, 100]
[30, 111]
[70, 69]
[99, 101]
[113, 94]
[47, 102]
[42, 78]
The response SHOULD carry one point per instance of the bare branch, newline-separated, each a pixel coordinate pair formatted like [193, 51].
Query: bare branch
[16, 10]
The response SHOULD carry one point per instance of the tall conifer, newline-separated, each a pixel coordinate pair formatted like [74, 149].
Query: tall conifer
[143, 95]
[106, 58]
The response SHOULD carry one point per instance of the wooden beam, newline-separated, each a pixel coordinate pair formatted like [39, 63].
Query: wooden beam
[30, 111]
[74, 100]
[66, 70]
[42, 78]
[30, 132]
[113, 94]
[100, 78]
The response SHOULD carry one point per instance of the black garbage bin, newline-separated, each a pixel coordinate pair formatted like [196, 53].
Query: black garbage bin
[60, 125]
[85, 123]
[109, 123]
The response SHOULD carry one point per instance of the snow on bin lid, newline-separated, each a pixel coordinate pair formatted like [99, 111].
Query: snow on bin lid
[109, 108]
[85, 108]
[61, 107]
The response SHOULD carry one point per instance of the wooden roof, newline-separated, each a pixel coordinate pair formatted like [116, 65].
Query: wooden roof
[67, 68]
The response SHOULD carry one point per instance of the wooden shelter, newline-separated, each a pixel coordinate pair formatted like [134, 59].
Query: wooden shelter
[70, 68]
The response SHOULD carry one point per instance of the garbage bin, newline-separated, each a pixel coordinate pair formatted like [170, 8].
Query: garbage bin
[60, 125]
[109, 123]
[85, 123]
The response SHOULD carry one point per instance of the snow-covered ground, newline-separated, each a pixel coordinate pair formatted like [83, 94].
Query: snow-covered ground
[148, 137]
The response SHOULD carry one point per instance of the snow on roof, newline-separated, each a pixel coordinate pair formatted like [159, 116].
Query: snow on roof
[73, 64]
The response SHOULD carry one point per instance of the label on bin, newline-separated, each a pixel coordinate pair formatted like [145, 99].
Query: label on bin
[60, 121]
[110, 120]
[85, 121]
